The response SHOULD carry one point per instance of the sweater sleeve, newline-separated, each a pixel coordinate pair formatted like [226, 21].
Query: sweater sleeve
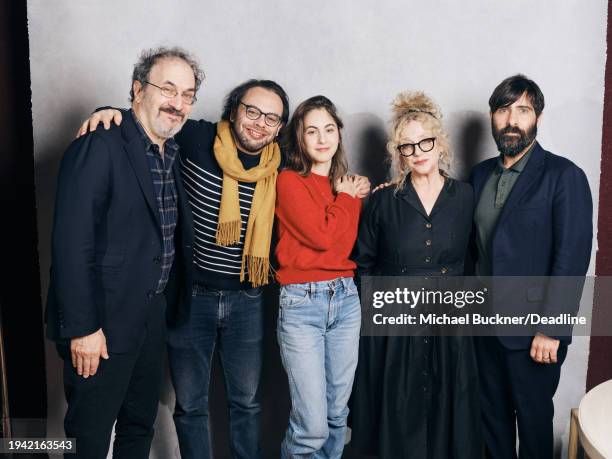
[313, 225]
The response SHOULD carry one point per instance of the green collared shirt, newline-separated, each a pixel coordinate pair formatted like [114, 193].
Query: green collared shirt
[491, 203]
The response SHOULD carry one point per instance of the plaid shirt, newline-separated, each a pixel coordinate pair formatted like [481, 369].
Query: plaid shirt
[165, 192]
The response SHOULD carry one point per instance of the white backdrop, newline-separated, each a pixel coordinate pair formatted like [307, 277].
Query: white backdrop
[358, 53]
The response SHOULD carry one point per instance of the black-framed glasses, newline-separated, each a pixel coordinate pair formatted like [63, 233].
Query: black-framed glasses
[253, 113]
[409, 149]
[170, 92]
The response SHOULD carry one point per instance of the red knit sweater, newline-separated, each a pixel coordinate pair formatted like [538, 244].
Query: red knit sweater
[316, 229]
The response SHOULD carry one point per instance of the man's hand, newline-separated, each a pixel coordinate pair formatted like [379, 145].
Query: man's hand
[544, 349]
[104, 116]
[86, 352]
[363, 186]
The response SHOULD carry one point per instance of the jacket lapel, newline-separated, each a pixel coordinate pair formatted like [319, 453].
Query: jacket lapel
[409, 195]
[137, 157]
[447, 191]
[185, 214]
[529, 175]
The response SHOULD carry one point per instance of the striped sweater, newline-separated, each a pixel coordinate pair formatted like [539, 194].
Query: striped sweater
[214, 266]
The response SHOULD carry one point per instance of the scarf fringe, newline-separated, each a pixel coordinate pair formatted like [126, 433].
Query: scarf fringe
[228, 233]
[259, 270]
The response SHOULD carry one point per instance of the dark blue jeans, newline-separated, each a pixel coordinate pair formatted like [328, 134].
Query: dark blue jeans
[233, 321]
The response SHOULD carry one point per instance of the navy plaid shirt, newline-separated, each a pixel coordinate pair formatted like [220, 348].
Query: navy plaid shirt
[165, 192]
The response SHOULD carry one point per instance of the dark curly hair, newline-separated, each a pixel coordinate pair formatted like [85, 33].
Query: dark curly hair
[235, 96]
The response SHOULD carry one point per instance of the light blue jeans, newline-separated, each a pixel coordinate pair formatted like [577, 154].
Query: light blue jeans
[318, 335]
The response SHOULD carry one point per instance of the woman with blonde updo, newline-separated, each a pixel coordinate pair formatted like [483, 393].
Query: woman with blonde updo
[416, 397]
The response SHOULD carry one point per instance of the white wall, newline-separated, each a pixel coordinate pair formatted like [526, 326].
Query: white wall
[360, 54]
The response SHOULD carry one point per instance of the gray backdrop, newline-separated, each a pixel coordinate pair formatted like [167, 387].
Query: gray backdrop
[360, 54]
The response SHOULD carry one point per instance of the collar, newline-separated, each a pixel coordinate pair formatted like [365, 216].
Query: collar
[516, 167]
[170, 143]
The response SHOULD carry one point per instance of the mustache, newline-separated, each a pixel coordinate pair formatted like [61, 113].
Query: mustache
[172, 111]
[511, 130]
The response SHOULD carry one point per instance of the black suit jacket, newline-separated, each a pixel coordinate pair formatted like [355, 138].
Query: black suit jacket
[107, 241]
[544, 229]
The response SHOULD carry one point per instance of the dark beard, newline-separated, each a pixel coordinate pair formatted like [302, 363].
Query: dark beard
[513, 145]
[244, 143]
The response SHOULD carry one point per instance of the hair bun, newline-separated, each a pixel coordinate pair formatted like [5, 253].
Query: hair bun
[414, 102]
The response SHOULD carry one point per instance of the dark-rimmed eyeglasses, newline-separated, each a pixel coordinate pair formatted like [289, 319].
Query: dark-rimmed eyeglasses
[188, 98]
[253, 113]
[409, 149]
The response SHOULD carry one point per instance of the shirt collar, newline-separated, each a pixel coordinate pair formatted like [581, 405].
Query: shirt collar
[518, 166]
[169, 144]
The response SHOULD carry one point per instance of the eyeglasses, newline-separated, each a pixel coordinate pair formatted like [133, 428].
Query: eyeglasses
[409, 149]
[188, 98]
[253, 113]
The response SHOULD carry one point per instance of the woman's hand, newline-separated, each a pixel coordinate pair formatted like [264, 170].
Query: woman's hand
[346, 184]
[104, 116]
[363, 186]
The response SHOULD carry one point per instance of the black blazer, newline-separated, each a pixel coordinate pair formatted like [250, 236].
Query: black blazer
[544, 229]
[107, 241]
[397, 238]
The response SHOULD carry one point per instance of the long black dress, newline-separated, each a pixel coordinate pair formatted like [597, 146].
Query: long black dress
[416, 397]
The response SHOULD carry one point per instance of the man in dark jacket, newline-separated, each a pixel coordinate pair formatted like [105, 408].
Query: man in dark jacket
[227, 305]
[533, 218]
[120, 249]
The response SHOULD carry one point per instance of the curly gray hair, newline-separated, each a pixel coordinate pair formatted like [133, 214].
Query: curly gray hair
[149, 57]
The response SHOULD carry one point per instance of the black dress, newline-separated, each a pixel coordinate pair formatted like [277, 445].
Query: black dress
[416, 397]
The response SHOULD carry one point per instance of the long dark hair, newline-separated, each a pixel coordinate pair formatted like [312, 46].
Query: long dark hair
[295, 148]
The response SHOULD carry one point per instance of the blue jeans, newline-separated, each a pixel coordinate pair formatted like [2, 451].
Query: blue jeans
[233, 321]
[318, 335]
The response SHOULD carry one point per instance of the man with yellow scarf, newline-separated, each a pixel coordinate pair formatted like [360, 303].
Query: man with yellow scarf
[229, 172]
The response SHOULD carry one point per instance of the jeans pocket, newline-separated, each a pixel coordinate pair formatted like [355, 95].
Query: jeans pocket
[292, 295]
[351, 288]
[252, 293]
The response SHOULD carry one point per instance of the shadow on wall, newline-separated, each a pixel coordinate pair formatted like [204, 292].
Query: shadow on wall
[470, 137]
[366, 137]
[365, 140]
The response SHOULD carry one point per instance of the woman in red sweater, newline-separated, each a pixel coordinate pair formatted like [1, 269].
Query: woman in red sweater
[318, 209]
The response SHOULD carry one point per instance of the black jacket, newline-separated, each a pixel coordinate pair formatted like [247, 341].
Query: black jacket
[397, 237]
[107, 241]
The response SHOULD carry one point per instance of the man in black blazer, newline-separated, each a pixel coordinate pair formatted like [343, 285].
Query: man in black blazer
[533, 218]
[121, 252]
